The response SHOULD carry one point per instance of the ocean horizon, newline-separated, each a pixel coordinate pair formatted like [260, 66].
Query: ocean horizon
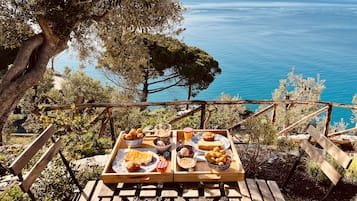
[258, 43]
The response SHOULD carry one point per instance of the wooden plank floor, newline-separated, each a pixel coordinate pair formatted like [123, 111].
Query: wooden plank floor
[247, 190]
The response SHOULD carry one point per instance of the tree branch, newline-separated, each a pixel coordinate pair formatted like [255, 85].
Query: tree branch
[47, 31]
[164, 80]
[151, 91]
[22, 59]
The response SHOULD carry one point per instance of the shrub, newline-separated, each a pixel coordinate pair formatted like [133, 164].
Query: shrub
[13, 193]
[351, 172]
[259, 133]
[314, 171]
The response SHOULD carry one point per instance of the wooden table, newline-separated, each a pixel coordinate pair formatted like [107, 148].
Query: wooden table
[175, 183]
[201, 173]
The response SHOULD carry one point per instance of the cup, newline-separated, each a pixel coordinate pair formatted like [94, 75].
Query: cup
[187, 133]
[163, 130]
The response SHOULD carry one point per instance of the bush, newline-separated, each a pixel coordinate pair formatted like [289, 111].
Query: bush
[351, 173]
[314, 171]
[13, 193]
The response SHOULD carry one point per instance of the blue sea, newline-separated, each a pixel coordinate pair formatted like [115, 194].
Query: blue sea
[257, 43]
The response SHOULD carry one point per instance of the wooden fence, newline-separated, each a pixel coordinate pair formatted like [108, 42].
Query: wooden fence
[202, 106]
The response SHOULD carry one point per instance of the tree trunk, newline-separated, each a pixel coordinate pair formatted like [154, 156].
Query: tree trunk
[28, 68]
[145, 92]
[189, 94]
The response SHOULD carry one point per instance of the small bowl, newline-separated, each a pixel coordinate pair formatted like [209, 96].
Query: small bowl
[165, 140]
[190, 149]
[186, 163]
[133, 143]
[218, 167]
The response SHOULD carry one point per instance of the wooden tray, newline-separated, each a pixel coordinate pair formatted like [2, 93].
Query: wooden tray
[202, 172]
[110, 176]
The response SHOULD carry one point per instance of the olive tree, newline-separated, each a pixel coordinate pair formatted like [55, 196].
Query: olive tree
[41, 29]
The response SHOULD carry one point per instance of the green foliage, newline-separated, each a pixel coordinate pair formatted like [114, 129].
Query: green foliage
[55, 182]
[297, 88]
[314, 171]
[158, 63]
[351, 172]
[13, 193]
[259, 133]
[225, 116]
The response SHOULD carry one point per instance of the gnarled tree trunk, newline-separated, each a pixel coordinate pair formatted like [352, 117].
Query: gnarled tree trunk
[27, 69]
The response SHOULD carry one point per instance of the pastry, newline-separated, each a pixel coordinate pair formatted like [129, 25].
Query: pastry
[218, 156]
[131, 166]
[141, 157]
[209, 145]
[208, 136]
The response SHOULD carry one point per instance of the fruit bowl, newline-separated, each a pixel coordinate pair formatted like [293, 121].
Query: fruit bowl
[134, 137]
[219, 167]
[133, 143]
[218, 159]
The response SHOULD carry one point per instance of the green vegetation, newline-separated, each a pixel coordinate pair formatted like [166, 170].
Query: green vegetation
[162, 62]
[38, 30]
[351, 173]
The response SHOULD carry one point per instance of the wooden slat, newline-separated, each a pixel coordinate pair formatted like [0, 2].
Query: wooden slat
[307, 117]
[127, 192]
[40, 165]
[106, 190]
[274, 188]
[147, 193]
[244, 190]
[341, 157]
[190, 193]
[212, 192]
[31, 150]
[88, 190]
[95, 196]
[326, 167]
[265, 191]
[166, 193]
[254, 190]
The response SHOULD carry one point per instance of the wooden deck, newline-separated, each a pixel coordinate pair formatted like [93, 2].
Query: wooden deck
[245, 190]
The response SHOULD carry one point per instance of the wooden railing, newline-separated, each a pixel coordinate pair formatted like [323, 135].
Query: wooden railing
[201, 106]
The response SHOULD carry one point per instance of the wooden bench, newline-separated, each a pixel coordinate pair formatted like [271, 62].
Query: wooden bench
[23, 160]
[245, 190]
[320, 155]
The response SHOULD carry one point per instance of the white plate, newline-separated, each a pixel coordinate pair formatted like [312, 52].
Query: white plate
[217, 137]
[118, 164]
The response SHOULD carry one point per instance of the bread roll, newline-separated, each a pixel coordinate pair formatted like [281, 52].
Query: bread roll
[209, 145]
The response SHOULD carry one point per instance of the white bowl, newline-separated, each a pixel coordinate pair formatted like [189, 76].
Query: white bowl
[134, 143]
[219, 167]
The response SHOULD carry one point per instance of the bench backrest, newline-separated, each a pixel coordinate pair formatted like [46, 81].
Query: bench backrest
[328, 146]
[22, 161]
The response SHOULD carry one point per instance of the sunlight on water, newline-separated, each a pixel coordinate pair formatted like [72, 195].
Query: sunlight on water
[257, 44]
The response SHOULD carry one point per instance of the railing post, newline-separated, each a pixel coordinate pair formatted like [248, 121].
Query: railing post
[328, 119]
[203, 115]
[112, 128]
[273, 118]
